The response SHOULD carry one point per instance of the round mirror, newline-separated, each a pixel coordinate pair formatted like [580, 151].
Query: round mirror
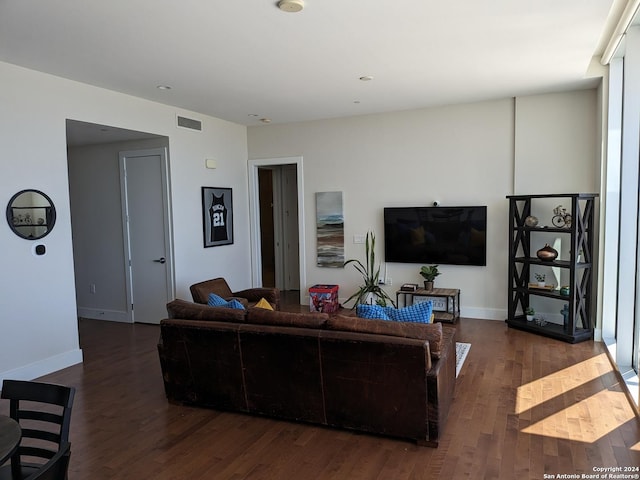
[31, 214]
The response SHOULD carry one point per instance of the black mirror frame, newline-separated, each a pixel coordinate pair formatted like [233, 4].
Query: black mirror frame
[50, 220]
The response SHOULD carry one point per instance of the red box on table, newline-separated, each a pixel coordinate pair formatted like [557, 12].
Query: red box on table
[323, 298]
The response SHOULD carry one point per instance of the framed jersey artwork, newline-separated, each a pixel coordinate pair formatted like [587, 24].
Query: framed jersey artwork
[217, 216]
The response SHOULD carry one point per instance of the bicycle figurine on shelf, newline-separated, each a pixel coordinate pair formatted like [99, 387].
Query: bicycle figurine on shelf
[561, 218]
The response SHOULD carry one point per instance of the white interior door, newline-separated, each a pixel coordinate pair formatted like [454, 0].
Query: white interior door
[147, 233]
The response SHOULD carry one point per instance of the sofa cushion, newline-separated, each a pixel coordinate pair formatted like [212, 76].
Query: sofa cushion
[200, 291]
[431, 332]
[261, 316]
[181, 309]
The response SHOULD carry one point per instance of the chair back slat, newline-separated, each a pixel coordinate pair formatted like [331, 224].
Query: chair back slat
[41, 416]
[37, 392]
[43, 453]
[42, 435]
[44, 413]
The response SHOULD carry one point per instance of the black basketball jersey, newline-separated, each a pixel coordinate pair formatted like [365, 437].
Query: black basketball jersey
[218, 216]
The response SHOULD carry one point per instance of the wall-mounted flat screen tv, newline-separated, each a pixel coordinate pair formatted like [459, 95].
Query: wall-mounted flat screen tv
[439, 235]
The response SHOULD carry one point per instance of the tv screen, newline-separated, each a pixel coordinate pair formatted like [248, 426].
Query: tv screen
[440, 235]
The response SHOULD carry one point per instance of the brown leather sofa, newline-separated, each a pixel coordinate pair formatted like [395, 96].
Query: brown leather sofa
[249, 297]
[376, 376]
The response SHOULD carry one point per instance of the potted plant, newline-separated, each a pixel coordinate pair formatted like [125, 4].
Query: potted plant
[370, 290]
[429, 273]
[540, 278]
[529, 312]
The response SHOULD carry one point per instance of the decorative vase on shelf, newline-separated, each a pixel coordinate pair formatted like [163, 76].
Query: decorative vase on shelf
[547, 253]
[531, 221]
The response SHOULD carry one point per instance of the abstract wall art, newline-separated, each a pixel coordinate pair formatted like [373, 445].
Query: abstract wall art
[330, 229]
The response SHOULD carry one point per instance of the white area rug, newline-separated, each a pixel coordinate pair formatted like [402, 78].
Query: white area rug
[462, 349]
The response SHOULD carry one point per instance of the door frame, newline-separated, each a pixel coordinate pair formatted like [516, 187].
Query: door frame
[254, 217]
[168, 231]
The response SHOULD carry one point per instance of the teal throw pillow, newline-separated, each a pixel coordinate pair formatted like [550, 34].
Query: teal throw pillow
[416, 313]
[235, 304]
[371, 311]
[217, 301]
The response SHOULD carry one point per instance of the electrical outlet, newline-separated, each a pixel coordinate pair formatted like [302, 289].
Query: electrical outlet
[92, 288]
[358, 238]
[389, 281]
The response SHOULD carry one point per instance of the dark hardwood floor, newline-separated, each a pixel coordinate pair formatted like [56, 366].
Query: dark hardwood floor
[525, 406]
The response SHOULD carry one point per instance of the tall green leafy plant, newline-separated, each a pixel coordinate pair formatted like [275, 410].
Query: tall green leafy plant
[370, 276]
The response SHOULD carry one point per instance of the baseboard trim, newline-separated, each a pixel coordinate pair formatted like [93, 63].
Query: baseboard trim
[44, 367]
[111, 315]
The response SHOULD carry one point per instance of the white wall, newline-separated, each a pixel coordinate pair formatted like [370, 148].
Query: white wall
[472, 154]
[458, 155]
[38, 321]
[556, 149]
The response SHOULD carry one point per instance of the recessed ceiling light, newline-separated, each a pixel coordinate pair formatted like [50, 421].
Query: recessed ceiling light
[253, 115]
[356, 101]
[291, 6]
[163, 87]
[265, 120]
[366, 78]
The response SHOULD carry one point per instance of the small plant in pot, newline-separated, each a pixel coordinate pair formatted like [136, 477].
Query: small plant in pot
[370, 290]
[540, 278]
[529, 312]
[429, 273]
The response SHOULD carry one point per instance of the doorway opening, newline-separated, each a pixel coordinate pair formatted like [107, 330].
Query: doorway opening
[100, 235]
[277, 224]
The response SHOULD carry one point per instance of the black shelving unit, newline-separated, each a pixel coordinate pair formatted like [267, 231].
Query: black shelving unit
[28, 225]
[579, 324]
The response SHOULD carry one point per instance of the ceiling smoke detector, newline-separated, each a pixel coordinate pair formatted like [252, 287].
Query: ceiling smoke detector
[291, 6]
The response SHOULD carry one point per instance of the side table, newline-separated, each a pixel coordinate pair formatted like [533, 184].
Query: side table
[446, 302]
[10, 433]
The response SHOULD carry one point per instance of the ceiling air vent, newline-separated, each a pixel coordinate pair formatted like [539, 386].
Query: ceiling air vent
[189, 123]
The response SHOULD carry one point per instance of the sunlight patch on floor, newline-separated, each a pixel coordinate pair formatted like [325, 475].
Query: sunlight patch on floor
[535, 393]
[588, 420]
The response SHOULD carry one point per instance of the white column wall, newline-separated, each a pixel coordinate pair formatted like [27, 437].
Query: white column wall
[38, 321]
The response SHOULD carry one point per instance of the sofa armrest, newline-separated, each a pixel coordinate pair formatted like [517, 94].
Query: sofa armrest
[441, 382]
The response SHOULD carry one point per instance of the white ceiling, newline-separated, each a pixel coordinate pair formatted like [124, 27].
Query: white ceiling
[236, 58]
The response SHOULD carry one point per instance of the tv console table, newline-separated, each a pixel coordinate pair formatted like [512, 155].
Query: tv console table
[446, 302]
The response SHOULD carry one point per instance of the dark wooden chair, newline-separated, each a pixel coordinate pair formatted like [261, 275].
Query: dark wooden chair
[44, 413]
[56, 468]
